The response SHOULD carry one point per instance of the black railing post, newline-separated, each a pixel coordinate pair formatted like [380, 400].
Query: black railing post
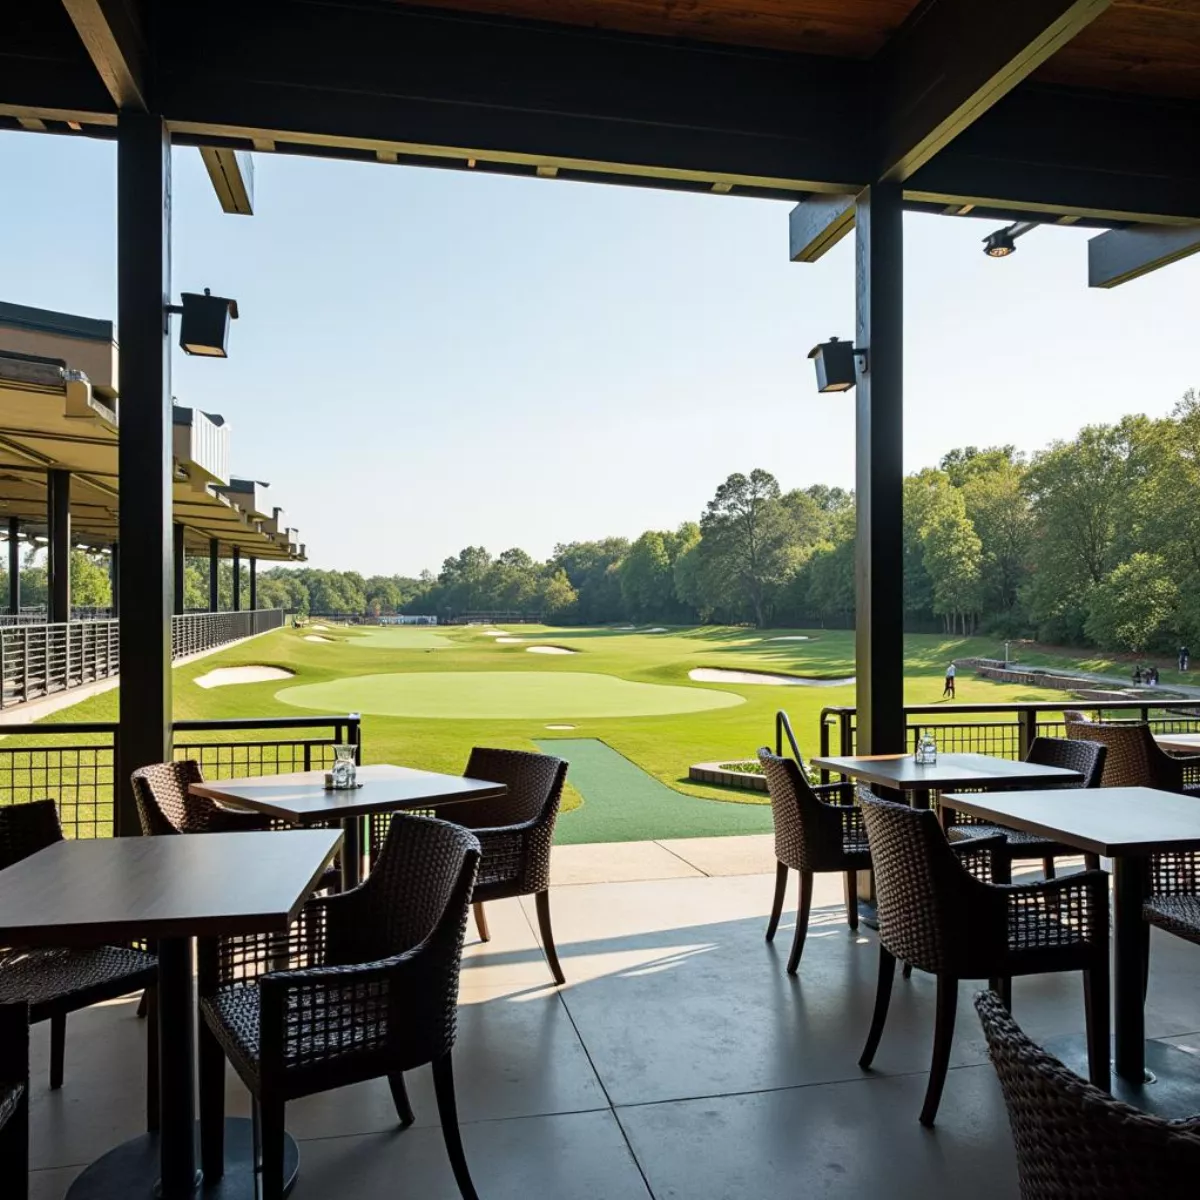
[237, 579]
[14, 566]
[1027, 725]
[58, 559]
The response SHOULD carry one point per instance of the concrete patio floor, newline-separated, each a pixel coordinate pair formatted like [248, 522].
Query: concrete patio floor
[679, 1062]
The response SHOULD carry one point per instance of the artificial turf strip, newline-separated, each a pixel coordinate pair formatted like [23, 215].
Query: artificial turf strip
[621, 803]
[503, 695]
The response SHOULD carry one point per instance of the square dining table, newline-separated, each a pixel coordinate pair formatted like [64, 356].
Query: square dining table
[1179, 743]
[1128, 825]
[301, 798]
[171, 890]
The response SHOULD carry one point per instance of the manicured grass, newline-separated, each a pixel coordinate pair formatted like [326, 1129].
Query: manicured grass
[663, 745]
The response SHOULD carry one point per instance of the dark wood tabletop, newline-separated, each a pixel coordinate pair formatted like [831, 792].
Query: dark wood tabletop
[1181, 743]
[903, 773]
[302, 796]
[1108, 821]
[113, 889]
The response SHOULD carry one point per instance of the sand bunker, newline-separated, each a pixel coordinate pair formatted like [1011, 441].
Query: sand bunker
[796, 637]
[560, 726]
[721, 675]
[222, 676]
[507, 641]
[623, 628]
[316, 637]
[549, 650]
[656, 629]
[321, 628]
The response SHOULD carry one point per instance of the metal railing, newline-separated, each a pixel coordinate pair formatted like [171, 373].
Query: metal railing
[76, 764]
[39, 660]
[1009, 738]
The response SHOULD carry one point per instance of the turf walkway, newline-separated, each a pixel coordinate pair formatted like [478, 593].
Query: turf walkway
[621, 803]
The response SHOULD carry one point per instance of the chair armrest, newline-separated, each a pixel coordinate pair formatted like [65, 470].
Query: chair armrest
[14, 1042]
[1060, 911]
[834, 793]
[978, 856]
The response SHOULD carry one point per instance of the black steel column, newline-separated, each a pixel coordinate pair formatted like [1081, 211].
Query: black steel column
[214, 575]
[879, 555]
[237, 579]
[58, 559]
[144, 457]
[253, 583]
[14, 565]
[114, 577]
[179, 558]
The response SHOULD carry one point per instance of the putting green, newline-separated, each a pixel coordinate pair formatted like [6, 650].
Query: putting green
[400, 637]
[475, 695]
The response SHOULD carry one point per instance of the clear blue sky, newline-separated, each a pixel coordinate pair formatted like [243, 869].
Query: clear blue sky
[429, 359]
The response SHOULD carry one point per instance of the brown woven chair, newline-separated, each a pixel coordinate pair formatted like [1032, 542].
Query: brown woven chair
[1074, 1140]
[1174, 901]
[370, 989]
[1134, 758]
[937, 915]
[14, 1100]
[816, 829]
[1087, 758]
[515, 831]
[54, 981]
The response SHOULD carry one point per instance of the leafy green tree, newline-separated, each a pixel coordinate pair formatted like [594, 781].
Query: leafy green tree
[91, 586]
[1134, 604]
[558, 596]
[593, 571]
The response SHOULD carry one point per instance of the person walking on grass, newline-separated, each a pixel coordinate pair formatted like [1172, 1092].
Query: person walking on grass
[948, 690]
[1185, 656]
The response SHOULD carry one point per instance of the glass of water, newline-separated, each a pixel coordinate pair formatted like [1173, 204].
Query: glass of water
[344, 769]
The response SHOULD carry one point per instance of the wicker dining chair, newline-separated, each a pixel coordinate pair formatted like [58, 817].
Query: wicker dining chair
[55, 981]
[1073, 1139]
[816, 829]
[1134, 758]
[937, 915]
[14, 1100]
[515, 831]
[370, 989]
[1086, 758]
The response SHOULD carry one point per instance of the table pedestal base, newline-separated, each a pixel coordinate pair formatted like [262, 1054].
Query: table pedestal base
[1172, 1087]
[131, 1170]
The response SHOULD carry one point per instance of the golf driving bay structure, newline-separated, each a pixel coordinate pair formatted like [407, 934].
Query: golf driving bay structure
[683, 1078]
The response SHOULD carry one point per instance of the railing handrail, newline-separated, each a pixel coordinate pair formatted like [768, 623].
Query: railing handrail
[783, 725]
[1025, 706]
[196, 725]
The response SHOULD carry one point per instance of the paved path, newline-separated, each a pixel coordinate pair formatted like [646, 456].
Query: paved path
[1184, 689]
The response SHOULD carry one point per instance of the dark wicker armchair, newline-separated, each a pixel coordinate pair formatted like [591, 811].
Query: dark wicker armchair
[55, 982]
[816, 829]
[937, 915]
[14, 1100]
[365, 984]
[1134, 758]
[1074, 1140]
[515, 831]
[166, 806]
[1174, 901]
[1087, 758]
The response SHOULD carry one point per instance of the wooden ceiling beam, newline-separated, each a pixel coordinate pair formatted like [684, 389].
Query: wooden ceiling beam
[115, 44]
[1120, 255]
[952, 60]
[231, 173]
[817, 224]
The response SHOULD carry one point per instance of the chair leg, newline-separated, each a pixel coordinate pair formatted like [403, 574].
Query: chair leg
[883, 997]
[1096, 1001]
[443, 1086]
[850, 887]
[481, 924]
[943, 1038]
[143, 1009]
[543, 915]
[1003, 988]
[272, 1134]
[1048, 868]
[58, 1049]
[1145, 961]
[212, 1103]
[907, 972]
[14, 1150]
[781, 882]
[1091, 862]
[400, 1099]
[806, 891]
[150, 999]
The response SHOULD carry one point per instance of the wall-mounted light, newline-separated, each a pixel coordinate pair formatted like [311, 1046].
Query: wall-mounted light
[837, 370]
[1003, 242]
[204, 323]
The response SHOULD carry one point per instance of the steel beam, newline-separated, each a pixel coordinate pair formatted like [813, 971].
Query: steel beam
[58, 555]
[253, 583]
[817, 224]
[237, 579]
[179, 560]
[114, 577]
[1120, 255]
[114, 43]
[879, 472]
[144, 452]
[14, 565]
[214, 575]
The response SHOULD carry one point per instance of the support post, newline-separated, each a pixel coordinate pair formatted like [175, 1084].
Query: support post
[214, 575]
[144, 457]
[179, 560]
[237, 579]
[253, 583]
[879, 553]
[114, 577]
[14, 565]
[58, 561]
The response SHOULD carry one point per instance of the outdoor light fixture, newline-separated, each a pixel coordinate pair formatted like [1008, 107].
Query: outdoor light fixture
[835, 363]
[1003, 242]
[204, 324]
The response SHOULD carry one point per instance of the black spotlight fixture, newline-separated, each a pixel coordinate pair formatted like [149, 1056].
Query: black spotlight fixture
[204, 323]
[1003, 242]
[836, 366]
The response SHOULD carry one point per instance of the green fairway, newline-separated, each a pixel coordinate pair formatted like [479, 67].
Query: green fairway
[500, 695]
[396, 637]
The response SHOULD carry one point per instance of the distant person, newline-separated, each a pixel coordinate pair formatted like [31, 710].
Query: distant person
[948, 690]
[1154, 677]
[1185, 657]
[1137, 674]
